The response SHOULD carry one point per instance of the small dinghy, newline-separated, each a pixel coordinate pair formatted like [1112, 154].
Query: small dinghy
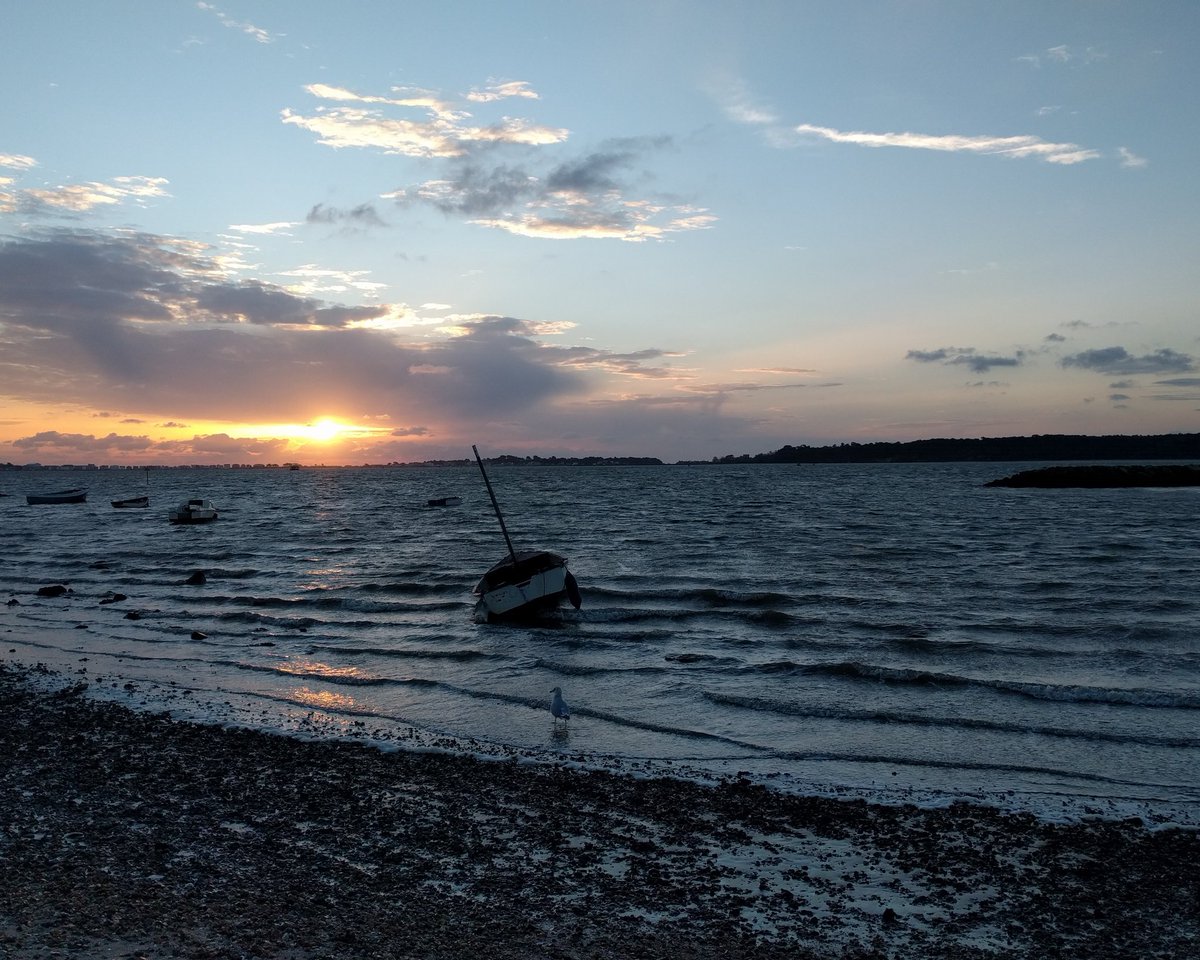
[59, 496]
[193, 511]
[444, 502]
[142, 500]
[524, 583]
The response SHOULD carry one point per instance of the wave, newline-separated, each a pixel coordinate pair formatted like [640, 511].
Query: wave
[926, 720]
[1067, 693]
[406, 653]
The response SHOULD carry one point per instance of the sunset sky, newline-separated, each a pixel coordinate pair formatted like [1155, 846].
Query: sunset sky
[371, 231]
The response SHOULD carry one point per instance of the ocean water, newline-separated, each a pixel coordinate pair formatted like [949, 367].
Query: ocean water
[894, 630]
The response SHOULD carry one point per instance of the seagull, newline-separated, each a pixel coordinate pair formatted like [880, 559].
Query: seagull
[558, 706]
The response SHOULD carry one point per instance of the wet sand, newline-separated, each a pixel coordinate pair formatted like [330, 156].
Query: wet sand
[127, 834]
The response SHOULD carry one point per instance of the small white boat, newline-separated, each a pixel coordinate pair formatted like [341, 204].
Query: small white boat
[525, 583]
[193, 511]
[60, 496]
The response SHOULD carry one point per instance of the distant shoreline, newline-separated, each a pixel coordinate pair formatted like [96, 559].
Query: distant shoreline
[1037, 448]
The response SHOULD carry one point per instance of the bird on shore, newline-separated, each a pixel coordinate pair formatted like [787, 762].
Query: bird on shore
[558, 706]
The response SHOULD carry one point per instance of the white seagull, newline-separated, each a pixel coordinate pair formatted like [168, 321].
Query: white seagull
[558, 706]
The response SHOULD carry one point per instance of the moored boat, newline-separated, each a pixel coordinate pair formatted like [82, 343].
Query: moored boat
[443, 502]
[76, 495]
[193, 511]
[524, 583]
[142, 501]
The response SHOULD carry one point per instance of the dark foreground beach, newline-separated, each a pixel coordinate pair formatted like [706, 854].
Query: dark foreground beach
[128, 834]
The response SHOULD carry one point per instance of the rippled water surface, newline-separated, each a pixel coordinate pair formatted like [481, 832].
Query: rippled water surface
[883, 627]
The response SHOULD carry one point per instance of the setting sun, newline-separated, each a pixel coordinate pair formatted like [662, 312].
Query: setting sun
[323, 429]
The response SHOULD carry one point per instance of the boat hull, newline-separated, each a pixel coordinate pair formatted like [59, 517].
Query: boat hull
[536, 583]
[131, 502]
[62, 496]
[193, 511]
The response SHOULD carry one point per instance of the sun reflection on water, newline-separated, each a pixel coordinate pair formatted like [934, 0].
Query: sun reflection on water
[323, 699]
[316, 668]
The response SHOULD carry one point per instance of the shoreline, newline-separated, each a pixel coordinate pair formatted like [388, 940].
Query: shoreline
[132, 834]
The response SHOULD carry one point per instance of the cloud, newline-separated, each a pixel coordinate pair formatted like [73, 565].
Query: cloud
[735, 99]
[1019, 147]
[1179, 382]
[968, 356]
[17, 161]
[82, 197]
[264, 229]
[579, 198]
[443, 131]
[1064, 54]
[502, 90]
[259, 34]
[363, 215]
[145, 325]
[1117, 361]
[739, 104]
[52, 443]
[1131, 160]
[587, 196]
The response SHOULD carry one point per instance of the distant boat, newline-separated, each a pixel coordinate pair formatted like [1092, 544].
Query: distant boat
[444, 502]
[523, 583]
[293, 466]
[193, 511]
[61, 496]
[139, 501]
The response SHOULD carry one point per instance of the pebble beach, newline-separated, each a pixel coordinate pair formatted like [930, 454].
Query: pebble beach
[132, 834]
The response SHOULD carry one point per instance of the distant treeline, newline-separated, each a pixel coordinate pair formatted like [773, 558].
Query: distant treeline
[577, 461]
[1171, 446]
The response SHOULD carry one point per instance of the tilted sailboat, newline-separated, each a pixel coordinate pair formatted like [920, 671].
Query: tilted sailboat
[525, 582]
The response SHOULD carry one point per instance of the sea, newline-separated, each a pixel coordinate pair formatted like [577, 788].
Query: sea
[897, 632]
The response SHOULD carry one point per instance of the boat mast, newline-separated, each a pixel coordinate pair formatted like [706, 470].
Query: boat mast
[512, 554]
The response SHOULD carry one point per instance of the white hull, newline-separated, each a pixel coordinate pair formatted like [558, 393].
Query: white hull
[542, 590]
[193, 511]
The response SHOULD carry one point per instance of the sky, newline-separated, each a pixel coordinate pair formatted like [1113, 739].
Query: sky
[244, 231]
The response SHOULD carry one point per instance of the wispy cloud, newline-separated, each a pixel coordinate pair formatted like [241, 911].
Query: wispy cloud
[81, 197]
[264, 229]
[258, 33]
[17, 161]
[737, 102]
[443, 132]
[1063, 54]
[1020, 147]
[502, 90]
[1130, 159]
